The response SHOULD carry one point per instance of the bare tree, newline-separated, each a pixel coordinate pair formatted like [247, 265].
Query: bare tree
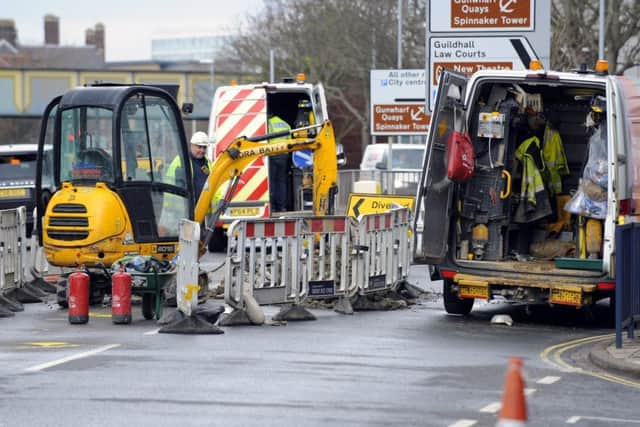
[336, 42]
[574, 39]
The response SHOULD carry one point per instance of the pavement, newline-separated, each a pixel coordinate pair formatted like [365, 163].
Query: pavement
[624, 360]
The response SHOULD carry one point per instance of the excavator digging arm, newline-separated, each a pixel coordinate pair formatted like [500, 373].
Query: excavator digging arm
[230, 164]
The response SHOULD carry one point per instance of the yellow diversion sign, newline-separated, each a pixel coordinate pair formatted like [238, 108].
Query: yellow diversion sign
[361, 204]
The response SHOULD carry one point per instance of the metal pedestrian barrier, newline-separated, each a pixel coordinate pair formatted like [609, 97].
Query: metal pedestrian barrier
[13, 253]
[290, 260]
[263, 259]
[326, 256]
[383, 240]
[627, 299]
[12, 248]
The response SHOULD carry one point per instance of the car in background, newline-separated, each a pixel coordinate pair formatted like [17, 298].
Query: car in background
[405, 157]
[406, 166]
[18, 178]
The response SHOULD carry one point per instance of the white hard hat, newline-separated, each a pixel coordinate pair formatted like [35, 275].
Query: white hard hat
[200, 138]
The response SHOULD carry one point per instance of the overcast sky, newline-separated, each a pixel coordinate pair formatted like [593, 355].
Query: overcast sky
[129, 24]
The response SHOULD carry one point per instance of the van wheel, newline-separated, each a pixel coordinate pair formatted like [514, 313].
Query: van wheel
[452, 303]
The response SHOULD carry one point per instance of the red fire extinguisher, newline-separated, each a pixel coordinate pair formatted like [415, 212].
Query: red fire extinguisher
[78, 297]
[121, 297]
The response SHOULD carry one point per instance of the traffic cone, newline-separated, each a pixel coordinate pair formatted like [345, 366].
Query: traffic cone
[514, 406]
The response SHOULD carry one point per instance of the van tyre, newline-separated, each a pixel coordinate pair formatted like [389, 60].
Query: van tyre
[452, 303]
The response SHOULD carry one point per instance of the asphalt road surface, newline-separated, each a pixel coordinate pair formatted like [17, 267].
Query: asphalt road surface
[410, 367]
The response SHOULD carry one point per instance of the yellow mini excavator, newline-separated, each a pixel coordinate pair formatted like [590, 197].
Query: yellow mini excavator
[112, 145]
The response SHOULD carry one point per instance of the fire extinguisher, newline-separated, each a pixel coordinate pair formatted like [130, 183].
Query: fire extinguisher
[78, 297]
[121, 297]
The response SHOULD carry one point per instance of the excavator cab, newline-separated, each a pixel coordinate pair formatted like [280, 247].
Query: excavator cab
[112, 147]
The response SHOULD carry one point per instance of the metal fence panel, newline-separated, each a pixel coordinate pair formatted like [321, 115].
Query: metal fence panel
[385, 246]
[263, 258]
[288, 260]
[627, 295]
[326, 256]
[12, 247]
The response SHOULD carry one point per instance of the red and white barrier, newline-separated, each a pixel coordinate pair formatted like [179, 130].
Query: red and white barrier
[288, 260]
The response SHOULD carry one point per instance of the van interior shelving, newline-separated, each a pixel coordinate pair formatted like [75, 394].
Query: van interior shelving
[491, 228]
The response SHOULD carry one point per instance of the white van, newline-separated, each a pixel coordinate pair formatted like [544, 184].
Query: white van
[405, 157]
[406, 167]
[243, 110]
[530, 227]
[18, 178]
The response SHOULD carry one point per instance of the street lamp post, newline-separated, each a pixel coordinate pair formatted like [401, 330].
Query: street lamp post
[601, 31]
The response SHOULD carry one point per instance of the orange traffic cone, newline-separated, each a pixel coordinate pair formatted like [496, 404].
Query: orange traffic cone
[514, 406]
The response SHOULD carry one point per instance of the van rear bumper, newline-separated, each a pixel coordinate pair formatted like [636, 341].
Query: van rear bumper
[524, 290]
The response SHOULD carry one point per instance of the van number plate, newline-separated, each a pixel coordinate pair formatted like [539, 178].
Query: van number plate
[243, 211]
[566, 297]
[473, 291]
[13, 192]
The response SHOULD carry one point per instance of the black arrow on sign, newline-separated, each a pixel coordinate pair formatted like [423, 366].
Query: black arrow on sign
[521, 51]
[356, 207]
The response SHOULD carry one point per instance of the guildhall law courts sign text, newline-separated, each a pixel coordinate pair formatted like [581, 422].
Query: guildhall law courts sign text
[497, 34]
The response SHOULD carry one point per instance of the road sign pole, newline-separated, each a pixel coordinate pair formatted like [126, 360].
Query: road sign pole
[400, 34]
[390, 140]
[601, 31]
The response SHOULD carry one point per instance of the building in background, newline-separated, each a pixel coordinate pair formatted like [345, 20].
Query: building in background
[32, 75]
[186, 48]
[51, 55]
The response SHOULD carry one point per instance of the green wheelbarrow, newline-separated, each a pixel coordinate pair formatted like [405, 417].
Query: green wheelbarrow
[149, 285]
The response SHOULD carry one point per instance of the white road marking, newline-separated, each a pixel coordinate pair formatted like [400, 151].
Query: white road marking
[574, 419]
[53, 363]
[464, 423]
[154, 332]
[492, 408]
[548, 380]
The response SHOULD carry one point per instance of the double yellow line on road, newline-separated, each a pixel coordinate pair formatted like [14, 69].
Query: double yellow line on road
[553, 356]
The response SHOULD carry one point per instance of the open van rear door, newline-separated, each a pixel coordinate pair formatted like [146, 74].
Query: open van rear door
[237, 111]
[242, 111]
[320, 103]
[433, 207]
